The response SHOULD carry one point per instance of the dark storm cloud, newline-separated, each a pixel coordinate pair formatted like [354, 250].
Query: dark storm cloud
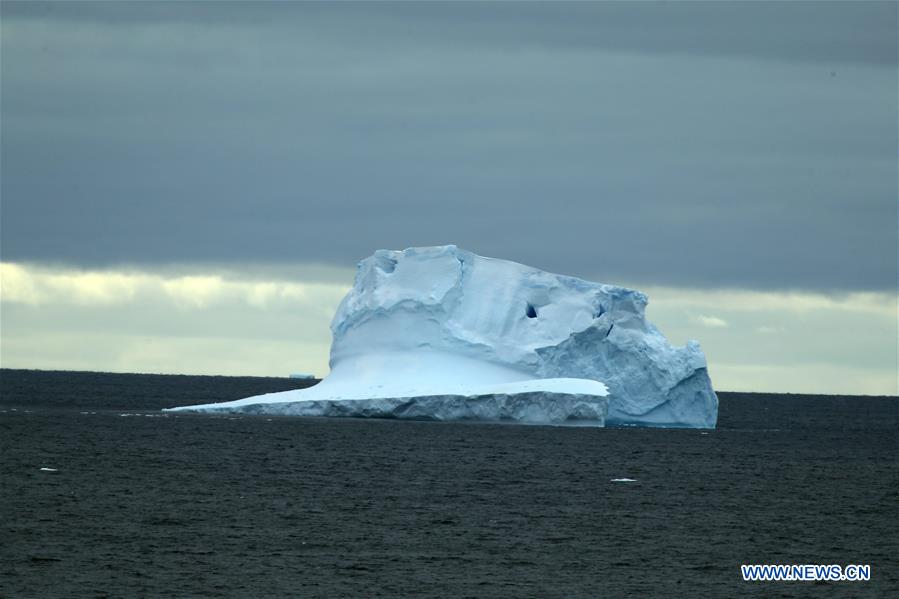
[749, 144]
[816, 31]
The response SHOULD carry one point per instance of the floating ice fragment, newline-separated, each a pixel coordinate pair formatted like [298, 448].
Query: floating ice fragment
[624, 480]
[49, 470]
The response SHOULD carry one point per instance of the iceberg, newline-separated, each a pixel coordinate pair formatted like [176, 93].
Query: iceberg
[439, 333]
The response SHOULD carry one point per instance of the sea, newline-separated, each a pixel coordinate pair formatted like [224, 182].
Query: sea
[104, 495]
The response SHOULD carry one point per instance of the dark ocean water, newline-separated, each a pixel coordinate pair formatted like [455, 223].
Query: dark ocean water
[152, 504]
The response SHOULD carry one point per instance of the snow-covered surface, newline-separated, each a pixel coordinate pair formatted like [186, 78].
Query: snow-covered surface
[548, 401]
[486, 392]
[437, 325]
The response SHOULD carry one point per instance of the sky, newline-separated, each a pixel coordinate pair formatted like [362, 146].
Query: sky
[187, 187]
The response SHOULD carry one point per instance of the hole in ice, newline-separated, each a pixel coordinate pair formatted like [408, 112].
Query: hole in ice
[386, 264]
[599, 312]
[609, 332]
[530, 311]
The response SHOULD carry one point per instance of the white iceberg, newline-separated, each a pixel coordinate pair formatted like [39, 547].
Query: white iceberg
[440, 333]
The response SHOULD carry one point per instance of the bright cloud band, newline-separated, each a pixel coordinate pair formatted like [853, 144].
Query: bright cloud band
[206, 320]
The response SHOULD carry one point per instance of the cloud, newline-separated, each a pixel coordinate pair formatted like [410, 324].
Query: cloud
[37, 285]
[19, 284]
[830, 31]
[791, 303]
[184, 320]
[198, 291]
[583, 139]
[767, 330]
[711, 321]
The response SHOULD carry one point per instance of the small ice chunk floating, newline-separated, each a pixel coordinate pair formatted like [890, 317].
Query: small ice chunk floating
[439, 333]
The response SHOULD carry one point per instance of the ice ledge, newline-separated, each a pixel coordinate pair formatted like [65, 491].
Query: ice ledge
[526, 407]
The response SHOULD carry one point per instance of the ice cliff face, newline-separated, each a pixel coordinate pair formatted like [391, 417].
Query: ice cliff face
[443, 299]
[441, 324]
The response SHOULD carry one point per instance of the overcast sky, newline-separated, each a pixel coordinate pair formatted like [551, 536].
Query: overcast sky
[679, 146]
